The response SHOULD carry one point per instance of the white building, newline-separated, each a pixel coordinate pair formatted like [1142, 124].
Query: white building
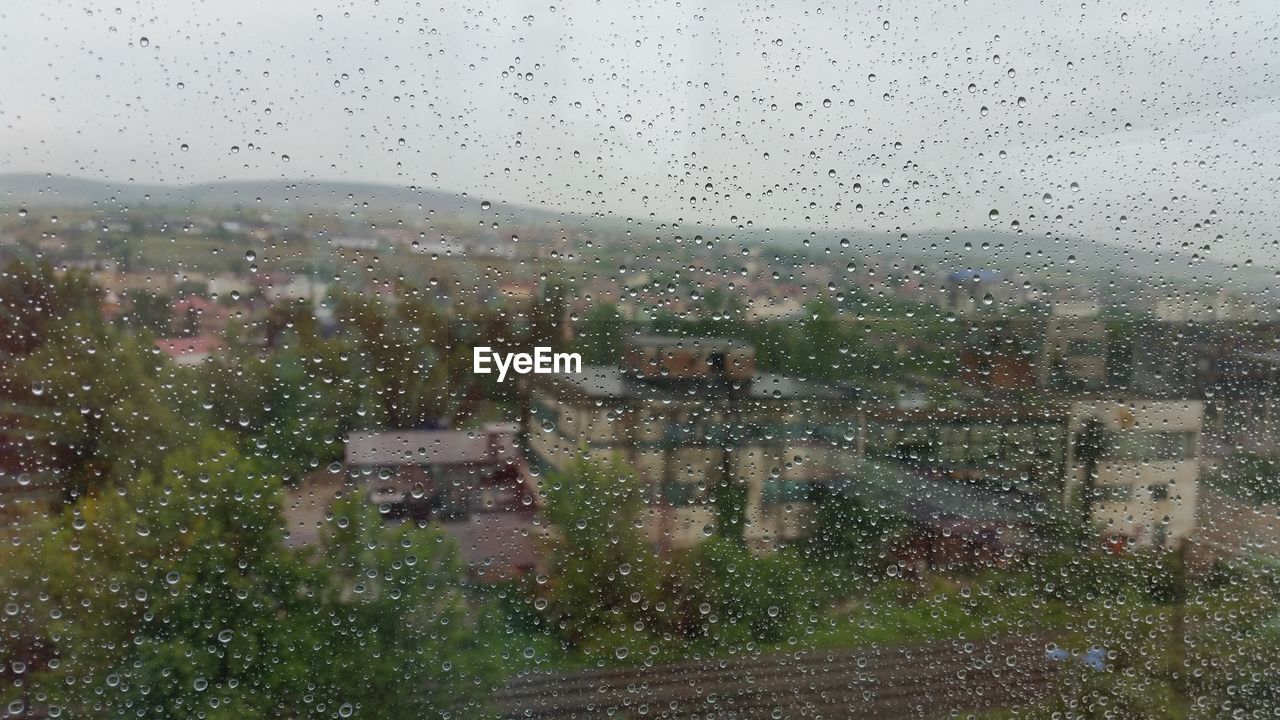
[1147, 466]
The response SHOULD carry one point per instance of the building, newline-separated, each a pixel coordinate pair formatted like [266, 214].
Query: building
[699, 424]
[1223, 306]
[442, 473]
[189, 351]
[474, 483]
[1146, 457]
[1145, 462]
[228, 285]
[1001, 356]
[1074, 352]
[976, 292]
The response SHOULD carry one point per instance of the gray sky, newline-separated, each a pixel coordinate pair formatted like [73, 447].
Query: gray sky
[1164, 113]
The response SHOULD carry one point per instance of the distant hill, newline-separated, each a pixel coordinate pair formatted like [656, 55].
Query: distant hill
[36, 190]
[1033, 255]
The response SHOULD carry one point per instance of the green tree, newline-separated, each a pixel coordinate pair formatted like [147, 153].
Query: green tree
[547, 318]
[148, 311]
[849, 532]
[99, 412]
[176, 597]
[35, 300]
[599, 337]
[293, 405]
[601, 568]
[751, 598]
[417, 650]
[420, 369]
[820, 341]
[1089, 445]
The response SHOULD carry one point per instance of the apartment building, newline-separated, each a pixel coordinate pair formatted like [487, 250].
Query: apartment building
[691, 416]
[1144, 457]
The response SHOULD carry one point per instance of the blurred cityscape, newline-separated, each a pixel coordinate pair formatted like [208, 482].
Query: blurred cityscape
[774, 446]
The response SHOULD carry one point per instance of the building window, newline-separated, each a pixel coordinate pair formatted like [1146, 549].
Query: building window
[778, 491]
[1149, 446]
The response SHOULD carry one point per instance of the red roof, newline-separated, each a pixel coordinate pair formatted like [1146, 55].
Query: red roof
[196, 345]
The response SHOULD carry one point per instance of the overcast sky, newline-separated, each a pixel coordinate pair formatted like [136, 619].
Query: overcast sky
[1163, 113]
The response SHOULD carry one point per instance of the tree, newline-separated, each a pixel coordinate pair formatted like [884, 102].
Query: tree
[547, 318]
[148, 311]
[751, 598]
[601, 564]
[176, 597]
[599, 337]
[291, 406]
[848, 532]
[35, 300]
[97, 403]
[819, 335]
[398, 592]
[419, 368]
[1088, 449]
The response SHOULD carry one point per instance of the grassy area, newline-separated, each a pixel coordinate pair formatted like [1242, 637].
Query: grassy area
[1145, 674]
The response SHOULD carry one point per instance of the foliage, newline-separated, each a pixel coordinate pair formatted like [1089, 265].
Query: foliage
[762, 596]
[1248, 476]
[602, 572]
[147, 311]
[849, 532]
[175, 597]
[98, 404]
[418, 364]
[411, 648]
[35, 300]
[600, 334]
[292, 406]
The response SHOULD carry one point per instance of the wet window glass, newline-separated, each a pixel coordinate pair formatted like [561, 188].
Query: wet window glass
[663, 360]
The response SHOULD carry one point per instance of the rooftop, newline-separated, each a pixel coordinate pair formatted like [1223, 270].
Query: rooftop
[606, 382]
[491, 443]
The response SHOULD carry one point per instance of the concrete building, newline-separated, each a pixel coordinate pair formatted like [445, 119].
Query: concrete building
[1147, 466]
[190, 351]
[1147, 457]
[442, 473]
[977, 292]
[1223, 306]
[1001, 356]
[1074, 352]
[691, 416]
